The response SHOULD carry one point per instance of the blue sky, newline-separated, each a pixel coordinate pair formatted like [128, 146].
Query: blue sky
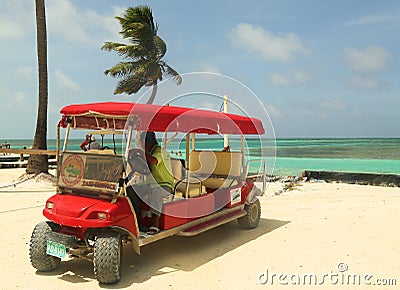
[321, 68]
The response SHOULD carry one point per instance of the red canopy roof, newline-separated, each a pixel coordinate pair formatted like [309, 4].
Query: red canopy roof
[113, 115]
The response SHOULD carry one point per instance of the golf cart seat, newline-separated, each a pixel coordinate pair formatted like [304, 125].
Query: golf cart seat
[193, 188]
[209, 169]
[216, 169]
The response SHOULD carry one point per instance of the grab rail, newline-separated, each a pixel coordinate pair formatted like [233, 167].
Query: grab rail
[264, 170]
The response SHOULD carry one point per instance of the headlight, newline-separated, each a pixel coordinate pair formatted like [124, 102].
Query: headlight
[101, 215]
[50, 205]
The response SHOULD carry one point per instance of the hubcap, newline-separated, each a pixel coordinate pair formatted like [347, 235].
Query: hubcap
[253, 213]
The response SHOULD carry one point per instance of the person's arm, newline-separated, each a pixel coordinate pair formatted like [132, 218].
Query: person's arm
[83, 145]
[151, 159]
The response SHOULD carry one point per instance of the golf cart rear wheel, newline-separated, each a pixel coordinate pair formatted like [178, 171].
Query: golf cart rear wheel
[107, 257]
[38, 245]
[252, 218]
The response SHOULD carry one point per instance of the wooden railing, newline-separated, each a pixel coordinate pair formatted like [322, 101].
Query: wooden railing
[28, 151]
[9, 157]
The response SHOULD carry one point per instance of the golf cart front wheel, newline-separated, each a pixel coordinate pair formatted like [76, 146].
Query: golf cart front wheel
[37, 248]
[252, 217]
[107, 257]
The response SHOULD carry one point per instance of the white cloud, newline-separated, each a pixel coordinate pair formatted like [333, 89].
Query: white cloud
[300, 76]
[334, 105]
[269, 46]
[371, 19]
[25, 72]
[312, 112]
[369, 59]
[273, 111]
[16, 19]
[294, 77]
[15, 101]
[210, 68]
[10, 29]
[366, 83]
[66, 82]
[279, 79]
[81, 25]
[64, 20]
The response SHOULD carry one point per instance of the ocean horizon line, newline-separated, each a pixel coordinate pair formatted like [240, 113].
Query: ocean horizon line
[293, 155]
[6, 140]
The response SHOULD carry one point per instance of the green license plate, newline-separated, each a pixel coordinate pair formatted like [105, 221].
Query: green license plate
[56, 249]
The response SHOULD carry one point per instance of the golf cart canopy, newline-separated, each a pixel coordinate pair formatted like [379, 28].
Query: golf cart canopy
[156, 118]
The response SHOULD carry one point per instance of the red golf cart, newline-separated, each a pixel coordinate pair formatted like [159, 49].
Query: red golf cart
[97, 205]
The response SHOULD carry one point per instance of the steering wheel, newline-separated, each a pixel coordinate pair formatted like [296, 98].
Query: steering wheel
[137, 161]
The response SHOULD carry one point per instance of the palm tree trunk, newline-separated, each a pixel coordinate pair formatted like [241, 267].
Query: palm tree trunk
[39, 163]
[153, 93]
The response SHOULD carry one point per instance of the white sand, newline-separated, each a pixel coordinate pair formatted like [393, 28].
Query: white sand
[308, 230]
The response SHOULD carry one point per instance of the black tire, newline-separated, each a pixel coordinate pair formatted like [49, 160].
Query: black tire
[252, 218]
[107, 257]
[37, 248]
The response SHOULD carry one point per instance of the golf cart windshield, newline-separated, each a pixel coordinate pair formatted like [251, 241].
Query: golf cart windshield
[91, 172]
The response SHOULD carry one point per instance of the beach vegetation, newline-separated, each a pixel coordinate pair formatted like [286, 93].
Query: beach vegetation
[144, 64]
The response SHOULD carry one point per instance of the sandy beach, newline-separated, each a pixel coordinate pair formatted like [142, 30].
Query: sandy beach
[330, 230]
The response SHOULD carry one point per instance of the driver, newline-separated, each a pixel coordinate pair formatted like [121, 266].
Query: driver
[163, 183]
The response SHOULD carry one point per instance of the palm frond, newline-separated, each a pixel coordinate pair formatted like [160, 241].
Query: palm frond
[138, 26]
[146, 68]
[140, 14]
[169, 71]
[130, 85]
[140, 34]
[160, 45]
[153, 71]
[145, 51]
[110, 46]
[120, 69]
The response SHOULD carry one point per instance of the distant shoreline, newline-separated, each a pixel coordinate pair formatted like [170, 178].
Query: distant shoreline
[392, 180]
[293, 155]
[2, 139]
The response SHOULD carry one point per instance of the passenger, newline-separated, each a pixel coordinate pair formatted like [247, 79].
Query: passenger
[90, 143]
[85, 143]
[160, 167]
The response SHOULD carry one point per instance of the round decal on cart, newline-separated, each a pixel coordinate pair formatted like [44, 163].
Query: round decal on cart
[72, 170]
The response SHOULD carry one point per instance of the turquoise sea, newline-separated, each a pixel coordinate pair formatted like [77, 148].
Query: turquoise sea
[370, 155]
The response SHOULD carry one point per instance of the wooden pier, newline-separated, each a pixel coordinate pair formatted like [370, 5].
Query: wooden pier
[11, 158]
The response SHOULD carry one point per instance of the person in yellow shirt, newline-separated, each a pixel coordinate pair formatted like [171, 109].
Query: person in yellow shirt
[162, 181]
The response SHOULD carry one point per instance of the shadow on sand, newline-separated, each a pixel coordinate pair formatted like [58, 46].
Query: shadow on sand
[169, 255]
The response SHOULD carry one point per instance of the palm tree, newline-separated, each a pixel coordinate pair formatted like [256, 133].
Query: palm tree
[39, 163]
[144, 65]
